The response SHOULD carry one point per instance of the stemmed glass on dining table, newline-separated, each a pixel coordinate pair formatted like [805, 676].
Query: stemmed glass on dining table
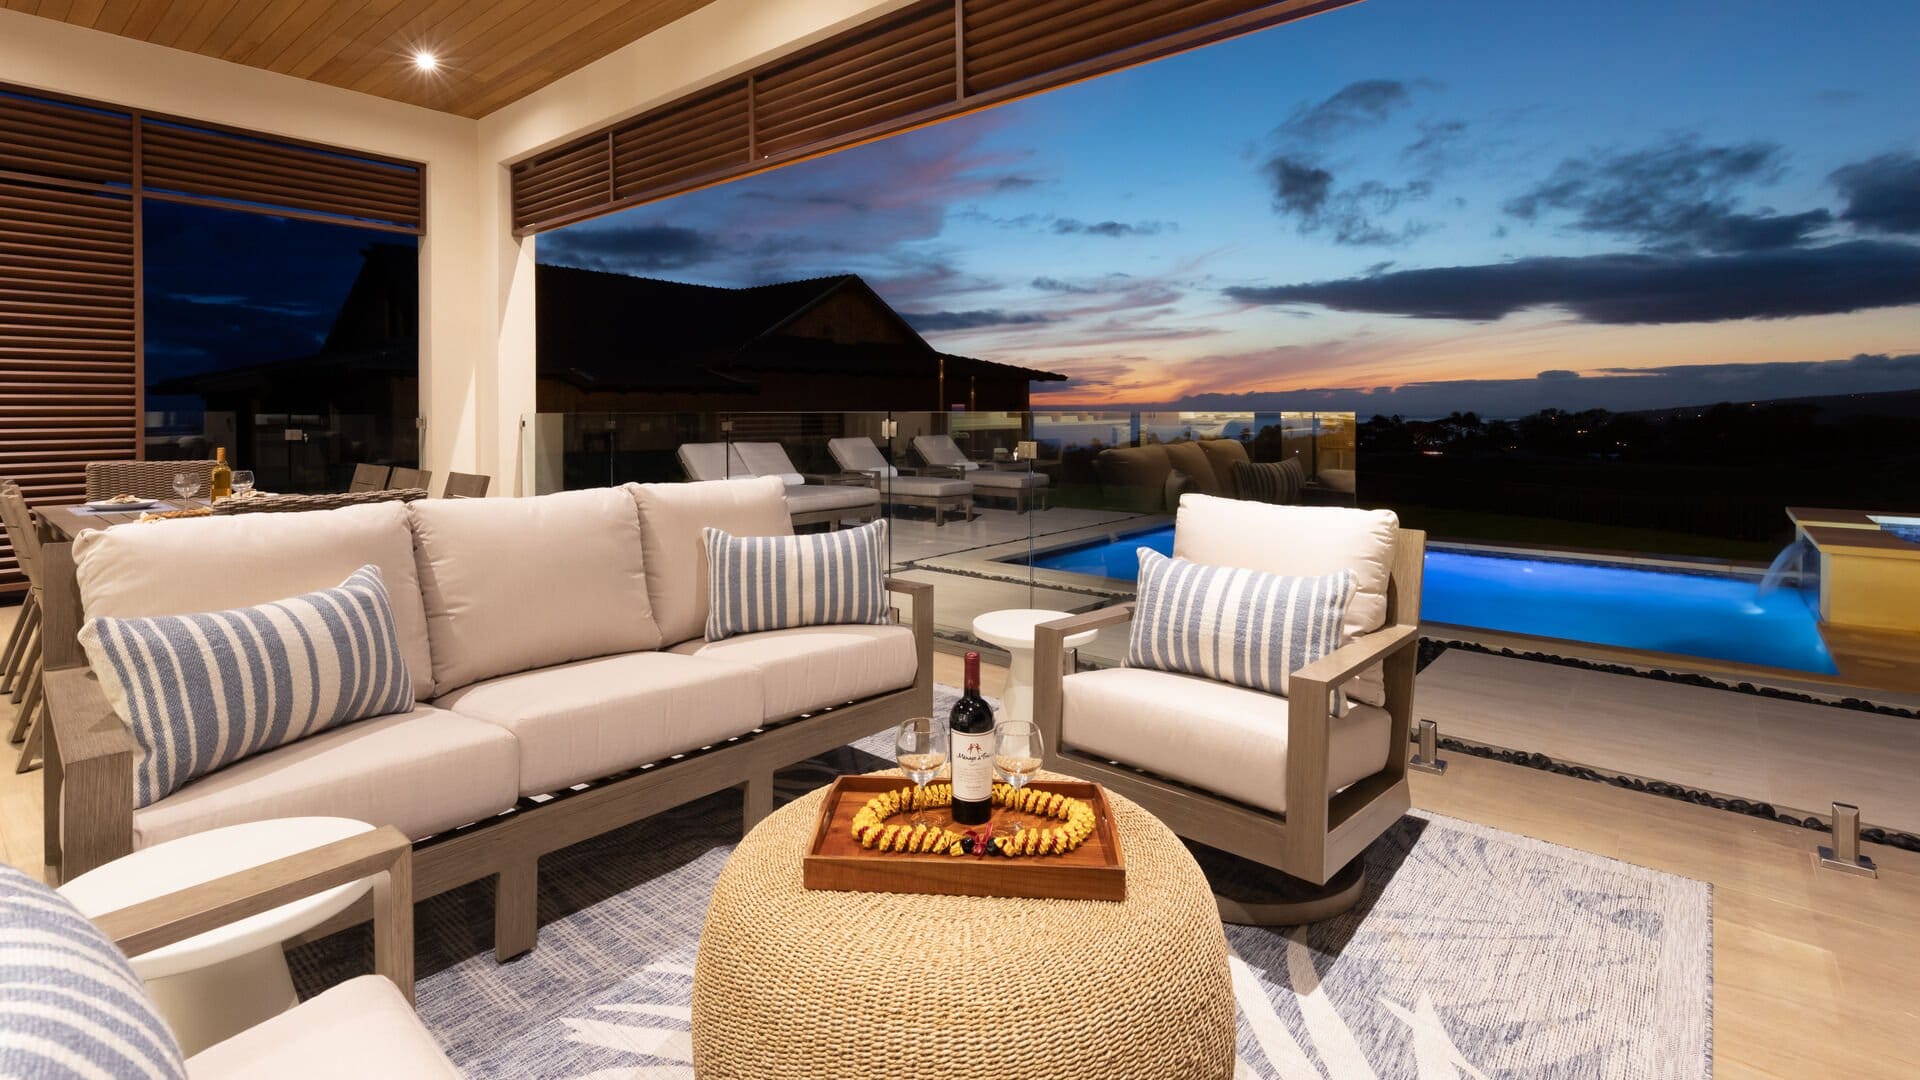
[920, 749]
[185, 486]
[242, 481]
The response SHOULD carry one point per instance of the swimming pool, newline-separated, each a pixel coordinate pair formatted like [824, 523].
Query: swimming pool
[1715, 617]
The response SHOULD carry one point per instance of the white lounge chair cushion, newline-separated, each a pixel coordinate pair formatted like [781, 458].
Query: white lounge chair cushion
[928, 487]
[671, 519]
[1006, 481]
[813, 498]
[713, 461]
[810, 667]
[1224, 739]
[216, 563]
[593, 718]
[422, 772]
[856, 453]
[516, 584]
[1300, 541]
[769, 459]
[361, 1028]
[942, 450]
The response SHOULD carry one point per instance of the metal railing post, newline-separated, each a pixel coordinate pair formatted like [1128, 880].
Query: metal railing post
[1845, 855]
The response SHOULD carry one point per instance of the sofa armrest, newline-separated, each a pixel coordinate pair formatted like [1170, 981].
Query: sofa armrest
[1050, 666]
[1350, 659]
[921, 593]
[384, 853]
[89, 783]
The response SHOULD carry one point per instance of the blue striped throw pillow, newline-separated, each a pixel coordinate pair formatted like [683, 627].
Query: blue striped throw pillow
[70, 1004]
[1232, 625]
[202, 691]
[760, 583]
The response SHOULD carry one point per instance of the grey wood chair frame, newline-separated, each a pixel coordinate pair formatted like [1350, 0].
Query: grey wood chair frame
[90, 755]
[1322, 831]
[466, 486]
[369, 477]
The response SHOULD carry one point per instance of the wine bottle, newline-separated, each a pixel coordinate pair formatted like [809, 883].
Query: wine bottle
[971, 726]
[221, 484]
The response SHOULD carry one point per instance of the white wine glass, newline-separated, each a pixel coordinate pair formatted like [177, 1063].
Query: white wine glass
[185, 486]
[920, 749]
[1017, 752]
[242, 481]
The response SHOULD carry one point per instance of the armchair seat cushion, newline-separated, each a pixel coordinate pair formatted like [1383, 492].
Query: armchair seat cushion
[811, 667]
[422, 772]
[360, 1028]
[593, 718]
[1224, 739]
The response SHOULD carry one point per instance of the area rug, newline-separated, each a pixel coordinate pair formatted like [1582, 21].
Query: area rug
[1474, 953]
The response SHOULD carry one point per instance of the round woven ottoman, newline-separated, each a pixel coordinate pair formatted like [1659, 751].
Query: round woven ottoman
[843, 985]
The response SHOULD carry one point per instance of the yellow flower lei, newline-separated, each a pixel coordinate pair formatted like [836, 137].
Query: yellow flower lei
[870, 826]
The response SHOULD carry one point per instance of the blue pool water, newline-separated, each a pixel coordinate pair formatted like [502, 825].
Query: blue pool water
[1709, 616]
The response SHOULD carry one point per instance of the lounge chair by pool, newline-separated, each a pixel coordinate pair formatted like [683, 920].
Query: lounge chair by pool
[858, 455]
[941, 454]
[807, 504]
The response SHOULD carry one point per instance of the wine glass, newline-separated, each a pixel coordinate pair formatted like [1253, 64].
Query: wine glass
[242, 481]
[920, 748]
[1017, 751]
[185, 486]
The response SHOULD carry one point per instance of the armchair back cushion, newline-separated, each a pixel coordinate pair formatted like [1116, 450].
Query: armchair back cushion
[781, 582]
[515, 584]
[1196, 463]
[217, 563]
[70, 1004]
[1233, 625]
[202, 691]
[672, 517]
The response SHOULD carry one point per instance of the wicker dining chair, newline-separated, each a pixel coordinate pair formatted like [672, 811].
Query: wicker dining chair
[369, 477]
[466, 486]
[403, 477]
[143, 479]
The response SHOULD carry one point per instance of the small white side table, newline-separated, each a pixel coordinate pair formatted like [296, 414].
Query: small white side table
[217, 984]
[1012, 629]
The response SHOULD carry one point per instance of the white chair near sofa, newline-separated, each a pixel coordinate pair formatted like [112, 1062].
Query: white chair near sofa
[807, 504]
[1300, 783]
[858, 456]
[943, 456]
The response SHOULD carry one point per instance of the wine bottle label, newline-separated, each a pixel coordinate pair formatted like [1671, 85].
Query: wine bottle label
[972, 766]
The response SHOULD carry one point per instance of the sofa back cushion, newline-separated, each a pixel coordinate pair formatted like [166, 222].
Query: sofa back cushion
[205, 690]
[1134, 477]
[671, 519]
[1190, 459]
[217, 563]
[763, 583]
[1223, 455]
[1233, 625]
[1299, 541]
[516, 584]
[70, 1004]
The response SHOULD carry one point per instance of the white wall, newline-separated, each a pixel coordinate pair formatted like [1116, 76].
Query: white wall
[476, 279]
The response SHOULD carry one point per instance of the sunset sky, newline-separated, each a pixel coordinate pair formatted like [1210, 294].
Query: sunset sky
[1402, 206]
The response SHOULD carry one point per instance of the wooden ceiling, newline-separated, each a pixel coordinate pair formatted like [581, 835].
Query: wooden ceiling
[491, 52]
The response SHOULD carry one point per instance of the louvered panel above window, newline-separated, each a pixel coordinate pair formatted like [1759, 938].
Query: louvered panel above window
[57, 140]
[260, 174]
[880, 74]
[562, 181]
[680, 145]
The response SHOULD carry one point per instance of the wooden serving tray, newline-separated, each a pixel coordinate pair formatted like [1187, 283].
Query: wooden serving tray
[835, 860]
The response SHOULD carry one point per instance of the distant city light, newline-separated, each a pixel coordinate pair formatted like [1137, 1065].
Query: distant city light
[425, 60]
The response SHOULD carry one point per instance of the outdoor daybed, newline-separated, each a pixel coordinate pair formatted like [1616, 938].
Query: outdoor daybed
[556, 650]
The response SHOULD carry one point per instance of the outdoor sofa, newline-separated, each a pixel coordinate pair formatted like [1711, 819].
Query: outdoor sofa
[830, 504]
[557, 653]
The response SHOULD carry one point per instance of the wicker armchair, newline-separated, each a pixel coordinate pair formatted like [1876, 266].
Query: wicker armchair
[145, 479]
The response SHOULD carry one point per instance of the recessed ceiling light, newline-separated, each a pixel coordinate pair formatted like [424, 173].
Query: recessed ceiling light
[425, 60]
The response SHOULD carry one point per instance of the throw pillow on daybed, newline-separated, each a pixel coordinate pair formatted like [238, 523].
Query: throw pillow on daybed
[758, 583]
[1233, 625]
[202, 691]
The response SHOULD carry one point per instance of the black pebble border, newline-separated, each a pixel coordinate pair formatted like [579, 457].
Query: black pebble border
[1430, 650]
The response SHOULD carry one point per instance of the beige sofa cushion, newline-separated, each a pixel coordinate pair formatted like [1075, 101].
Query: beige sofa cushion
[422, 772]
[593, 718]
[671, 517]
[1190, 459]
[213, 564]
[1221, 738]
[362, 1028]
[1223, 455]
[1134, 477]
[514, 584]
[809, 667]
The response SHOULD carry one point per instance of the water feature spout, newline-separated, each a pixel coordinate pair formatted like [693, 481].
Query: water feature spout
[1790, 562]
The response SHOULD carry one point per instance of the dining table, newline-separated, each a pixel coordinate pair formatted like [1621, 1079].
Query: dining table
[64, 522]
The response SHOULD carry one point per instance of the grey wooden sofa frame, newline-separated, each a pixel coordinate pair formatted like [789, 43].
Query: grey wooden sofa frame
[90, 756]
[1317, 837]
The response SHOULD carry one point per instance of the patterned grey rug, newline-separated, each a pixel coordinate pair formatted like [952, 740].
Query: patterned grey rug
[1474, 953]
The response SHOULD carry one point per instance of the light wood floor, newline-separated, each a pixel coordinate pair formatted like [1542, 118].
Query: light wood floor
[1816, 974]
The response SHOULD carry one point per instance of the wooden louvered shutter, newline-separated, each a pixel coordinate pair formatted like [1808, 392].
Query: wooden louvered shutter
[235, 168]
[925, 62]
[69, 371]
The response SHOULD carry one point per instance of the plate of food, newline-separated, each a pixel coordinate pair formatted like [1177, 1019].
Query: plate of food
[123, 502]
